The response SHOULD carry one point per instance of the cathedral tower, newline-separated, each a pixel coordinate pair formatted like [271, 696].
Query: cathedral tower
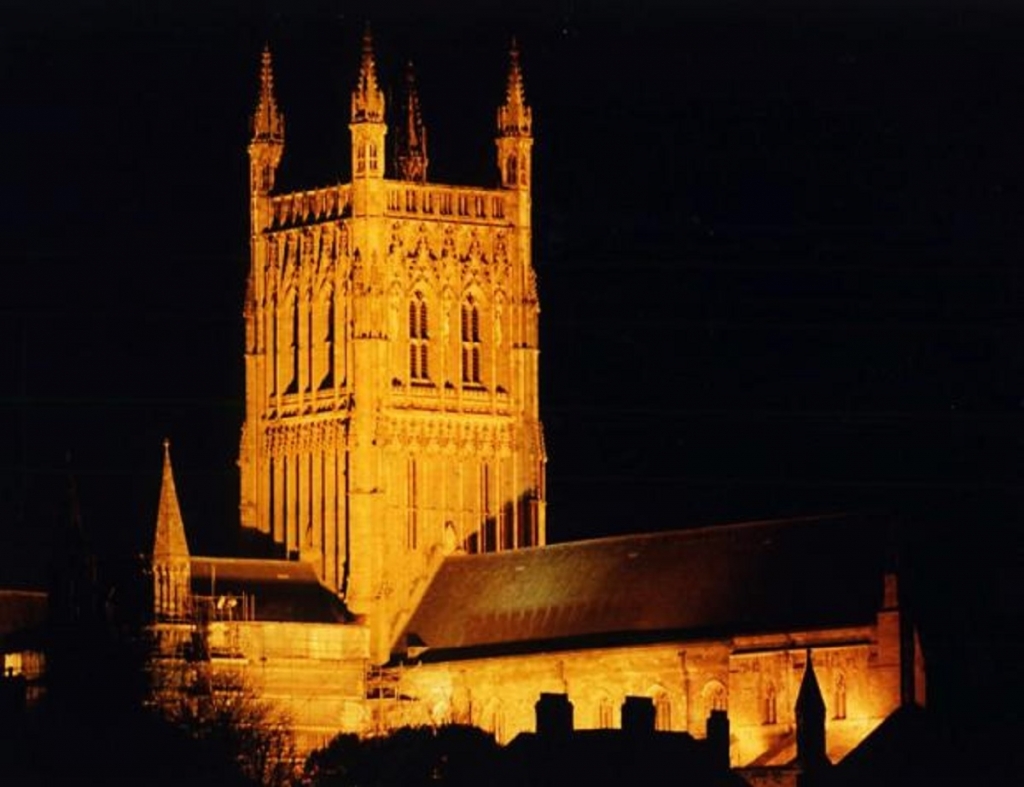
[392, 360]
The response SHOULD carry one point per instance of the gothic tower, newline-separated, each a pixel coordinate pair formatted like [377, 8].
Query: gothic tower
[391, 358]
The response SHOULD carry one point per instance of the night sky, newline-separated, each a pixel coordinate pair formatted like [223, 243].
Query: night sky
[779, 256]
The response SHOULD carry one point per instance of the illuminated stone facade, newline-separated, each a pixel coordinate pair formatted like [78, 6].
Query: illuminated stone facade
[393, 452]
[391, 358]
[754, 679]
[717, 618]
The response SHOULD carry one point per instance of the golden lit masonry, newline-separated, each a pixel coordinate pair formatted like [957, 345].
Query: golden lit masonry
[393, 459]
[391, 356]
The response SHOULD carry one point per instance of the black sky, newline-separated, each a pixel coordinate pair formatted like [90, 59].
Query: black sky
[778, 249]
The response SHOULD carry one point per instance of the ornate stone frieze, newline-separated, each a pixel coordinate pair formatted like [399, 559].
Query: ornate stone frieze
[447, 434]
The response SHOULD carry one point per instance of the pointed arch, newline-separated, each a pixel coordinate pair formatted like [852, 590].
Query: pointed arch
[839, 696]
[770, 704]
[714, 697]
[662, 712]
[471, 335]
[418, 329]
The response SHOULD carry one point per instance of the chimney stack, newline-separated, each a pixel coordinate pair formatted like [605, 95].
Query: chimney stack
[554, 715]
[638, 716]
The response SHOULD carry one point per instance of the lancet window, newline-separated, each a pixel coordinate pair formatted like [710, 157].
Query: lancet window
[771, 709]
[840, 696]
[419, 349]
[471, 343]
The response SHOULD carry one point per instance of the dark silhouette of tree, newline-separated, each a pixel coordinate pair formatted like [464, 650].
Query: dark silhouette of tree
[408, 757]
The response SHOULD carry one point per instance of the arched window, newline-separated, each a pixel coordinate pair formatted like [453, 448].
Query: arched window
[771, 710]
[840, 696]
[419, 353]
[605, 714]
[471, 343]
[511, 170]
[714, 697]
[662, 713]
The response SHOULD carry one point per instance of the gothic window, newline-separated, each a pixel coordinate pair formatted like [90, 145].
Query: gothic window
[714, 697]
[470, 343]
[770, 705]
[662, 713]
[373, 157]
[419, 353]
[605, 714]
[511, 170]
[840, 696]
[361, 158]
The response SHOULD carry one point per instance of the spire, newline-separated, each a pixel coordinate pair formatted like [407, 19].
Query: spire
[810, 720]
[268, 122]
[514, 116]
[169, 541]
[809, 698]
[411, 144]
[367, 98]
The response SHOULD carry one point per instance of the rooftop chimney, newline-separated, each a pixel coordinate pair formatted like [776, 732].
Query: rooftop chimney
[638, 716]
[554, 715]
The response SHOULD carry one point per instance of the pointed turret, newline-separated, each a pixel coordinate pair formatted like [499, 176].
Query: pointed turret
[515, 118]
[268, 122]
[810, 721]
[411, 144]
[367, 98]
[367, 124]
[170, 557]
[265, 148]
[169, 542]
[515, 123]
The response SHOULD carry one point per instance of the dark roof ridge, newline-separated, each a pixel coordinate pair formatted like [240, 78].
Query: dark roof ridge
[709, 530]
[250, 561]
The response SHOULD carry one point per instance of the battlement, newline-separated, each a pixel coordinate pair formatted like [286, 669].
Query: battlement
[301, 208]
[467, 204]
[404, 199]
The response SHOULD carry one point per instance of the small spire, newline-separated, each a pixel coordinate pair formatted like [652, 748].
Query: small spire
[809, 697]
[367, 98]
[411, 143]
[514, 116]
[810, 720]
[169, 541]
[268, 122]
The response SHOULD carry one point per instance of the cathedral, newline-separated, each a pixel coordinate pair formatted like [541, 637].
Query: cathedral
[392, 462]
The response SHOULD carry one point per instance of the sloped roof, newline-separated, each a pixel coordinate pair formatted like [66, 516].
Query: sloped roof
[280, 590]
[909, 747]
[22, 617]
[755, 577]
